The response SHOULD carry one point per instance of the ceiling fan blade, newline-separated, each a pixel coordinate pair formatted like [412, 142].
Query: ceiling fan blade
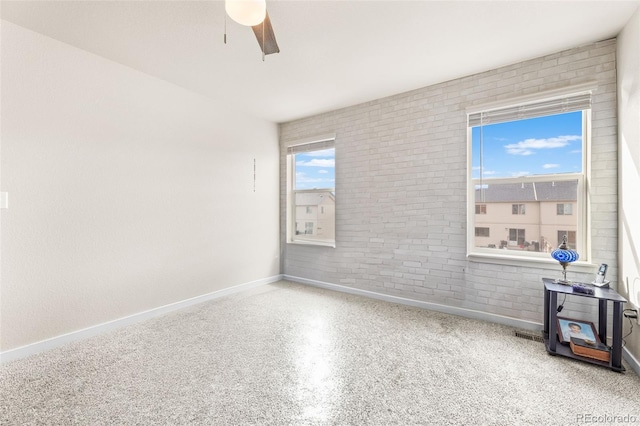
[266, 39]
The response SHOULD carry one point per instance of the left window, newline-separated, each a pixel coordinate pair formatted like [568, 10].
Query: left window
[311, 193]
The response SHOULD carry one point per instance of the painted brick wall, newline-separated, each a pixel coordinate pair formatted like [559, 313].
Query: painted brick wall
[401, 189]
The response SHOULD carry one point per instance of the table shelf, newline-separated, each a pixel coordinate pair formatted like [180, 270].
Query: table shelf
[604, 296]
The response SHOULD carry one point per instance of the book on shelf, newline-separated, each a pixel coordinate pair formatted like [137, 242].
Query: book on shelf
[589, 349]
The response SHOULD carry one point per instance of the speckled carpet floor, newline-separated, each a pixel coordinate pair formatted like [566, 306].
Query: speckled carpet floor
[287, 354]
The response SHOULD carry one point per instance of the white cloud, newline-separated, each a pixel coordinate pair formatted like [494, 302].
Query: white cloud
[528, 146]
[550, 166]
[322, 172]
[302, 178]
[317, 162]
[518, 174]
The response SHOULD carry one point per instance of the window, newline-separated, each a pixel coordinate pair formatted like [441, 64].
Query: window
[311, 193]
[516, 237]
[308, 228]
[482, 232]
[527, 171]
[564, 209]
[571, 238]
[517, 209]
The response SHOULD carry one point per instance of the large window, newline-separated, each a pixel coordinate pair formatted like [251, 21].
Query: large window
[527, 166]
[311, 197]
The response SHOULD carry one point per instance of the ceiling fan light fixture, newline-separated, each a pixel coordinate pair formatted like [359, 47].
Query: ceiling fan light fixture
[246, 12]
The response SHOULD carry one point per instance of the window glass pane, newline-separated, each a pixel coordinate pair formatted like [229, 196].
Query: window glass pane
[311, 209]
[565, 209]
[571, 238]
[482, 232]
[536, 146]
[527, 173]
[539, 228]
[315, 169]
[518, 209]
[315, 216]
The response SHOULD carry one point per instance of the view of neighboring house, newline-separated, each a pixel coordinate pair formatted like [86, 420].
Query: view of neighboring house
[315, 215]
[530, 216]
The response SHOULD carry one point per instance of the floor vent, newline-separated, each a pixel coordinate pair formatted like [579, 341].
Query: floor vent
[529, 335]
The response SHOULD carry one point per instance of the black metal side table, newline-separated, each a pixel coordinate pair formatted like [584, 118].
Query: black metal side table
[603, 296]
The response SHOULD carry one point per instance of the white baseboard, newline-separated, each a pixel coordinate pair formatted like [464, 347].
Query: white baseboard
[468, 313]
[95, 330]
[633, 361]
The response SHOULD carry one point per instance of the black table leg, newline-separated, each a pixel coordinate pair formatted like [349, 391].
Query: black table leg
[546, 313]
[602, 321]
[553, 323]
[616, 344]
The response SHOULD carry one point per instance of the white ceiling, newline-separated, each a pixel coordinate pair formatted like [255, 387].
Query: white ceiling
[333, 53]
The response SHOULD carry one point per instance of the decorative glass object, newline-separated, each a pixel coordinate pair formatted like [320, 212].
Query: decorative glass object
[564, 255]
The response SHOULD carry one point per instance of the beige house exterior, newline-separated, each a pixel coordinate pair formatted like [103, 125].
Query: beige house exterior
[315, 216]
[526, 216]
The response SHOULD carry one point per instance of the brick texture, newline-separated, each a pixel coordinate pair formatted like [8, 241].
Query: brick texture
[401, 191]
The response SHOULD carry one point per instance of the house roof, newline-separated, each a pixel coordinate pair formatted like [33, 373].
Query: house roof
[527, 192]
[314, 198]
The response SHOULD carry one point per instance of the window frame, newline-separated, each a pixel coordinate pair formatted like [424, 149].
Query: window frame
[582, 207]
[323, 142]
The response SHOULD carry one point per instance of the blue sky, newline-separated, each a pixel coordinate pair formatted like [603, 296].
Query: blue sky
[316, 169]
[544, 145]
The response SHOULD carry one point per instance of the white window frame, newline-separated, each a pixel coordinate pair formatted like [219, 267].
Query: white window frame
[321, 142]
[517, 258]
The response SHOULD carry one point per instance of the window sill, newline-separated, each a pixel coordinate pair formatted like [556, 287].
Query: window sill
[530, 262]
[331, 244]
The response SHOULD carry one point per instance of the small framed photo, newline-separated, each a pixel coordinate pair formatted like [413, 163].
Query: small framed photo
[568, 328]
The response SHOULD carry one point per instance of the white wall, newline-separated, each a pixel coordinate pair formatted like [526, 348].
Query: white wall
[126, 192]
[629, 158]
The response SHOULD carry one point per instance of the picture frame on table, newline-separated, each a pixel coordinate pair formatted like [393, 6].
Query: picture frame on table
[568, 328]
